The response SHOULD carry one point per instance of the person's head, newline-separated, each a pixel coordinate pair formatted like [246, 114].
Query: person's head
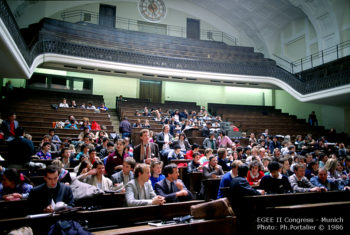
[166, 128]
[266, 161]
[235, 164]
[51, 176]
[52, 132]
[92, 153]
[156, 167]
[340, 166]
[323, 157]
[213, 161]
[46, 147]
[87, 140]
[299, 170]
[196, 157]
[254, 167]
[128, 165]
[11, 178]
[65, 153]
[195, 147]
[262, 152]
[144, 136]
[274, 139]
[171, 172]
[120, 144]
[308, 158]
[110, 147]
[64, 100]
[274, 168]
[47, 138]
[331, 165]
[84, 148]
[347, 160]
[243, 170]
[57, 163]
[208, 124]
[142, 172]
[208, 152]
[182, 136]
[11, 116]
[86, 129]
[211, 135]
[285, 163]
[89, 103]
[177, 149]
[19, 131]
[222, 153]
[99, 166]
[322, 175]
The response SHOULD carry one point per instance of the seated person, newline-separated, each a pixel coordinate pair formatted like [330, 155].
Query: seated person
[224, 162]
[146, 124]
[73, 104]
[189, 154]
[175, 154]
[139, 191]
[106, 151]
[45, 153]
[64, 103]
[65, 156]
[15, 186]
[90, 106]
[323, 182]
[210, 141]
[85, 132]
[137, 124]
[195, 165]
[172, 188]
[228, 176]
[212, 170]
[9, 126]
[115, 160]
[71, 125]
[84, 152]
[86, 124]
[96, 177]
[275, 182]
[42, 196]
[183, 143]
[121, 178]
[223, 140]
[156, 172]
[103, 107]
[299, 182]
[63, 174]
[254, 174]
[54, 138]
[205, 159]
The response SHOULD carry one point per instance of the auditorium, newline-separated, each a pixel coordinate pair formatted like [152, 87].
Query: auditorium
[174, 116]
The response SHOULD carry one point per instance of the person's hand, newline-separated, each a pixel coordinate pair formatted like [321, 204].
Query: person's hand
[181, 193]
[92, 172]
[179, 185]
[48, 209]
[200, 168]
[148, 160]
[315, 189]
[262, 192]
[231, 157]
[323, 189]
[119, 167]
[17, 195]
[158, 200]
[214, 176]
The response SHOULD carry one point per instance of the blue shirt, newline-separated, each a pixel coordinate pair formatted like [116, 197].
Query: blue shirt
[224, 182]
[155, 180]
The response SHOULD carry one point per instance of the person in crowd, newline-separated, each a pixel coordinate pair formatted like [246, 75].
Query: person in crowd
[72, 124]
[121, 178]
[156, 172]
[103, 107]
[20, 150]
[63, 174]
[165, 141]
[313, 119]
[90, 106]
[206, 130]
[275, 182]
[55, 139]
[274, 144]
[64, 103]
[223, 140]
[183, 143]
[45, 153]
[73, 104]
[146, 151]
[322, 158]
[65, 157]
[285, 166]
[205, 159]
[146, 124]
[9, 126]
[299, 182]
[265, 163]
[15, 186]
[83, 167]
[139, 191]
[331, 167]
[252, 138]
[195, 149]
[86, 124]
[172, 188]
[125, 128]
[84, 152]
[212, 170]
[254, 156]
[85, 132]
[96, 177]
[104, 152]
[312, 169]
[115, 160]
[92, 156]
[222, 161]
[210, 141]
[137, 124]
[254, 174]
[342, 173]
[175, 154]
[323, 182]
[101, 143]
[228, 176]
[41, 198]
[195, 165]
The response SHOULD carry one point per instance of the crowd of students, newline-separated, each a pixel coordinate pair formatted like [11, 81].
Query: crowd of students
[147, 176]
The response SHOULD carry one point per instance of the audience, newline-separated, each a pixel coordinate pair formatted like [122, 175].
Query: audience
[146, 151]
[15, 186]
[121, 178]
[156, 172]
[228, 176]
[275, 182]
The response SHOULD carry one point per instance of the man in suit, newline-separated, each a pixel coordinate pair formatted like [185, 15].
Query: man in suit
[210, 141]
[139, 191]
[171, 188]
[146, 151]
[165, 142]
[121, 178]
[212, 170]
[9, 126]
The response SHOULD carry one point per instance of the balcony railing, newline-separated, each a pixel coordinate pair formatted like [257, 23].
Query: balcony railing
[131, 24]
[319, 58]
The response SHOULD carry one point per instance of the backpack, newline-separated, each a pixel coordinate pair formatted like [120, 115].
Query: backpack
[67, 227]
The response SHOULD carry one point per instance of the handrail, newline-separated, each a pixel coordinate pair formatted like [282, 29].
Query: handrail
[316, 59]
[132, 24]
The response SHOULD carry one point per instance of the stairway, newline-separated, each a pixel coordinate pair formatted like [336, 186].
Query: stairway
[114, 119]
